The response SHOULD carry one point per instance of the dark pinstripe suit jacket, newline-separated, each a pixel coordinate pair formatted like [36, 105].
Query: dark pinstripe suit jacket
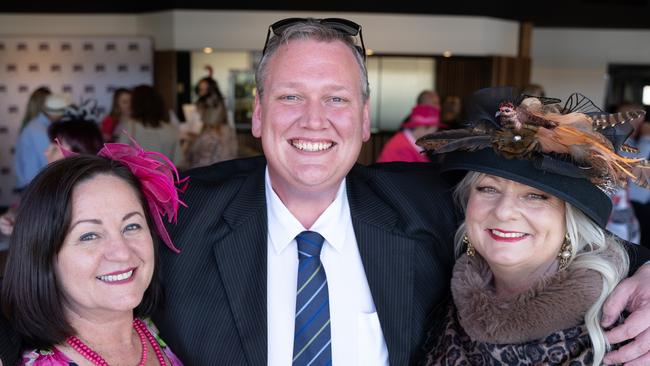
[215, 309]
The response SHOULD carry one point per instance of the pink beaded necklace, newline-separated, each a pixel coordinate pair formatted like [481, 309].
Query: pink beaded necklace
[144, 335]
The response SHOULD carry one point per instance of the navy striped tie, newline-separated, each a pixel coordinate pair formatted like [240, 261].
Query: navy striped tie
[312, 337]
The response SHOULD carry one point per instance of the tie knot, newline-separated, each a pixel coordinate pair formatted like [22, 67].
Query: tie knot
[310, 244]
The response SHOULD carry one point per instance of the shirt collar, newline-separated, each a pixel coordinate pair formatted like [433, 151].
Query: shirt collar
[284, 227]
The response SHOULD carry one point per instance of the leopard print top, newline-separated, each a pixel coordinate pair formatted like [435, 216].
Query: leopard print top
[453, 347]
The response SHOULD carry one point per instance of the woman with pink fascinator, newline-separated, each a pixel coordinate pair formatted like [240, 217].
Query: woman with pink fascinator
[82, 272]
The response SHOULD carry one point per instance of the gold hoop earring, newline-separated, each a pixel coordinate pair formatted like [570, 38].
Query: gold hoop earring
[565, 253]
[469, 247]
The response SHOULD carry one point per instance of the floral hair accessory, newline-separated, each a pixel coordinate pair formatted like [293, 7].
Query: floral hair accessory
[158, 178]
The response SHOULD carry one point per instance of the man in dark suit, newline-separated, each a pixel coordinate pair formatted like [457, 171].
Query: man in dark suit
[232, 292]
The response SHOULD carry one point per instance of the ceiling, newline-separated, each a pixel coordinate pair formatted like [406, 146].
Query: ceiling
[552, 13]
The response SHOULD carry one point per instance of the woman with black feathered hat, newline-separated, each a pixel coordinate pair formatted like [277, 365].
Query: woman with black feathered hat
[536, 263]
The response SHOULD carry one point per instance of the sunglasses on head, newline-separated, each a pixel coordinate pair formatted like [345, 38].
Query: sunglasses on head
[342, 26]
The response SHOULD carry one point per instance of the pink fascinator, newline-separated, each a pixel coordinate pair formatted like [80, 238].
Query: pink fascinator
[158, 178]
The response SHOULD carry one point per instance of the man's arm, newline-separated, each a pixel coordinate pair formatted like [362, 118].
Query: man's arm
[633, 295]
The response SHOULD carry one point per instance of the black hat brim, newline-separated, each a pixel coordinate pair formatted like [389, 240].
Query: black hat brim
[579, 192]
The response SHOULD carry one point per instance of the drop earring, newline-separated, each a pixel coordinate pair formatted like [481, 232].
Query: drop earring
[468, 245]
[565, 253]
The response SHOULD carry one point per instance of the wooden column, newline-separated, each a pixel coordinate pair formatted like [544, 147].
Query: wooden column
[511, 71]
[525, 35]
[171, 78]
[164, 76]
[461, 76]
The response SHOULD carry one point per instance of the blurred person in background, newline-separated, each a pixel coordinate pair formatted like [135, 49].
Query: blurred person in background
[208, 87]
[35, 105]
[211, 100]
[33, 140]
[451, 111]
[217, 140]
[639, 197]
[428, 97]
[120, 112]
[424, 119]
[79, 136]
[149, 124]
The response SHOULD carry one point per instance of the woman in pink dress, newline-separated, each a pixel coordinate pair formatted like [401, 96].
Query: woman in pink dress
[424, 119]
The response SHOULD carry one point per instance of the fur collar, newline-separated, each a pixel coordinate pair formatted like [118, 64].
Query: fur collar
[554, 303]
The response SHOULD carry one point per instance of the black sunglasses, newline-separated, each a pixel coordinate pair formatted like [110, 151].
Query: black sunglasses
[342, 26]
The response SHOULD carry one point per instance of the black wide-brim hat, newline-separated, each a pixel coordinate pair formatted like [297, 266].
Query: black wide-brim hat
[579, 192]
[509, 136]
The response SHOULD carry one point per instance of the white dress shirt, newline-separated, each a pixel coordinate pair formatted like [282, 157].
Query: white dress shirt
[357, 338]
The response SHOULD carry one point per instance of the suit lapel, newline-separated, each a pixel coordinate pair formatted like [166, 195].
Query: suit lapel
[387, 258]
[241, 259]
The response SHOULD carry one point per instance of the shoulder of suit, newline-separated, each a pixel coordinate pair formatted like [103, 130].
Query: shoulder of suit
[401, 173]
[224, 171]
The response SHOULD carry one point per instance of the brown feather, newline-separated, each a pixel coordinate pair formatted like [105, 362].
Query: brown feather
[547, 141]
[604, 120]
[590, 149]
[574, 119]
[629, 149]
[641, 173]
[440, 144]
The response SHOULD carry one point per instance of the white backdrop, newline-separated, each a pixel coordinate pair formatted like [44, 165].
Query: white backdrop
[83, 67]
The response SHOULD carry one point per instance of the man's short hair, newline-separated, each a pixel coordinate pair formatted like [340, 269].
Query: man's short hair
[310, 29]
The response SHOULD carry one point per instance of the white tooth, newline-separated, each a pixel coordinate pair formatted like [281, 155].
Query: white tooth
[507, 235]
[119, 277]
[312, 146]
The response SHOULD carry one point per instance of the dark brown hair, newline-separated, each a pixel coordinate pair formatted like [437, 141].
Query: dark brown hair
[83, 137]
[31, 296]
[115, 107]
[147, 106]
[213, 89]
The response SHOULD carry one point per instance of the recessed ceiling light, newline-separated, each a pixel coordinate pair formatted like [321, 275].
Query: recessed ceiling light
[447, 54]
[208, 50]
